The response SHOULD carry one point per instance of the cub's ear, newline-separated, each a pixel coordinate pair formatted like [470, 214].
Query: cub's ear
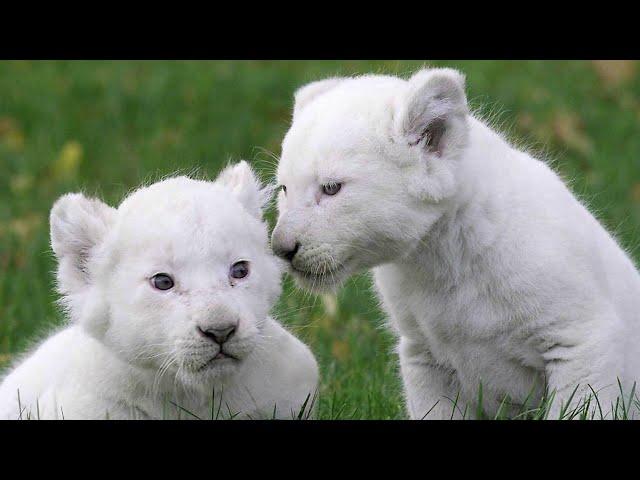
[78, 225]
[431, 109]
[246, 187]
[304, 95]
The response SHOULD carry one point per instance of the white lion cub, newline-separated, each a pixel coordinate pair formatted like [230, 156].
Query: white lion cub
[168, 297]
[491, 271]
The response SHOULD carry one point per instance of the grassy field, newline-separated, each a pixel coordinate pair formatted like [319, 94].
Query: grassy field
[104, 127]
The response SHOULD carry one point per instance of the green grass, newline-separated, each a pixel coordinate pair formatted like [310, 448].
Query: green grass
[104, 127]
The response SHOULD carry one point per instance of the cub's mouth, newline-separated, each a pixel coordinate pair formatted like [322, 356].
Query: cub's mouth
[219, 359]
[321, 279]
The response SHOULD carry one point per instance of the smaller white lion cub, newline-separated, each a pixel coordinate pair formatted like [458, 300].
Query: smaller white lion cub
[168, 298]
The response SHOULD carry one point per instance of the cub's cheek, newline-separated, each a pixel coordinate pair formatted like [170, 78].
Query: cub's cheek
[133, 294]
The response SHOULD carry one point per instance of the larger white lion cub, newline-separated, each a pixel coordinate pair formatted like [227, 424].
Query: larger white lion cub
[491, 271]
[168, 298]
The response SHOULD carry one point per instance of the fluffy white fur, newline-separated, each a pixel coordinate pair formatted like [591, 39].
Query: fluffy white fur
[490, 270]
[133, 351]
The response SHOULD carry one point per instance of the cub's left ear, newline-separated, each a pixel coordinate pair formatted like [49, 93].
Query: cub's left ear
[430, 112]
[305, 95]
[247, 188]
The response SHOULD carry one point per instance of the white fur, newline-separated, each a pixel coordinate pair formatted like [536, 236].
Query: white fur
[490, 270]
[132, 351]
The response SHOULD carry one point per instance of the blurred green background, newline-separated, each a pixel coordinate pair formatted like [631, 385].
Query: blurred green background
[104, 127]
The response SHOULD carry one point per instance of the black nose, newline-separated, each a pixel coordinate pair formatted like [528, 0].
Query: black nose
[288, 254]
[218, 335]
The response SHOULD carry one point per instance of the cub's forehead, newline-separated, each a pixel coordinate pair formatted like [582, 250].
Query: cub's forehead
[356, 105]
[177, 200]
[353, 119]
[184, 213]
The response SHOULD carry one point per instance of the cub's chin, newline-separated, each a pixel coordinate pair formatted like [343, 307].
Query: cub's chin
[327, 282]
[211, 371]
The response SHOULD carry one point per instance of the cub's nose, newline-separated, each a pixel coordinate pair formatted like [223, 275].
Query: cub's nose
[218, 334]
[286, 252]
[284, 246]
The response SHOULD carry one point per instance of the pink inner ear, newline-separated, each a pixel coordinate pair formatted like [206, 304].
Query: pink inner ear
[432, 135]
[436, 132]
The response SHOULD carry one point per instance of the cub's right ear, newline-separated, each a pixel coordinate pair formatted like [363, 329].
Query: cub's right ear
[311, 91]
[245, 185]
[432, 110]
[78, 224]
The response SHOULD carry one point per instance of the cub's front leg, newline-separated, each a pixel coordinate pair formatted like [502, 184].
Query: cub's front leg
[430, 389]
[280, 378]
[586, 355]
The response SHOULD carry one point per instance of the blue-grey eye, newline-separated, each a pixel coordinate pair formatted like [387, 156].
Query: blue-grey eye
[331, 188]
[239, 269]
[162, 281]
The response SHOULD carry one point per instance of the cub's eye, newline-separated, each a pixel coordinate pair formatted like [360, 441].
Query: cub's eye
[162, 281]
[331, 188]
[239, 269]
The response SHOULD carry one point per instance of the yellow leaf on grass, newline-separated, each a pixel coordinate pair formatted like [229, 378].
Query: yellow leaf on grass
[615, 72]
[4, 358]
[330, 304]
[340, 350]
[568, 128]
[14, 140]
[525, 121]
[24, 227]
[10, 134]
[324, 322]
[68, 161]
[167, 138]
[635, 192]
[21, 183]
